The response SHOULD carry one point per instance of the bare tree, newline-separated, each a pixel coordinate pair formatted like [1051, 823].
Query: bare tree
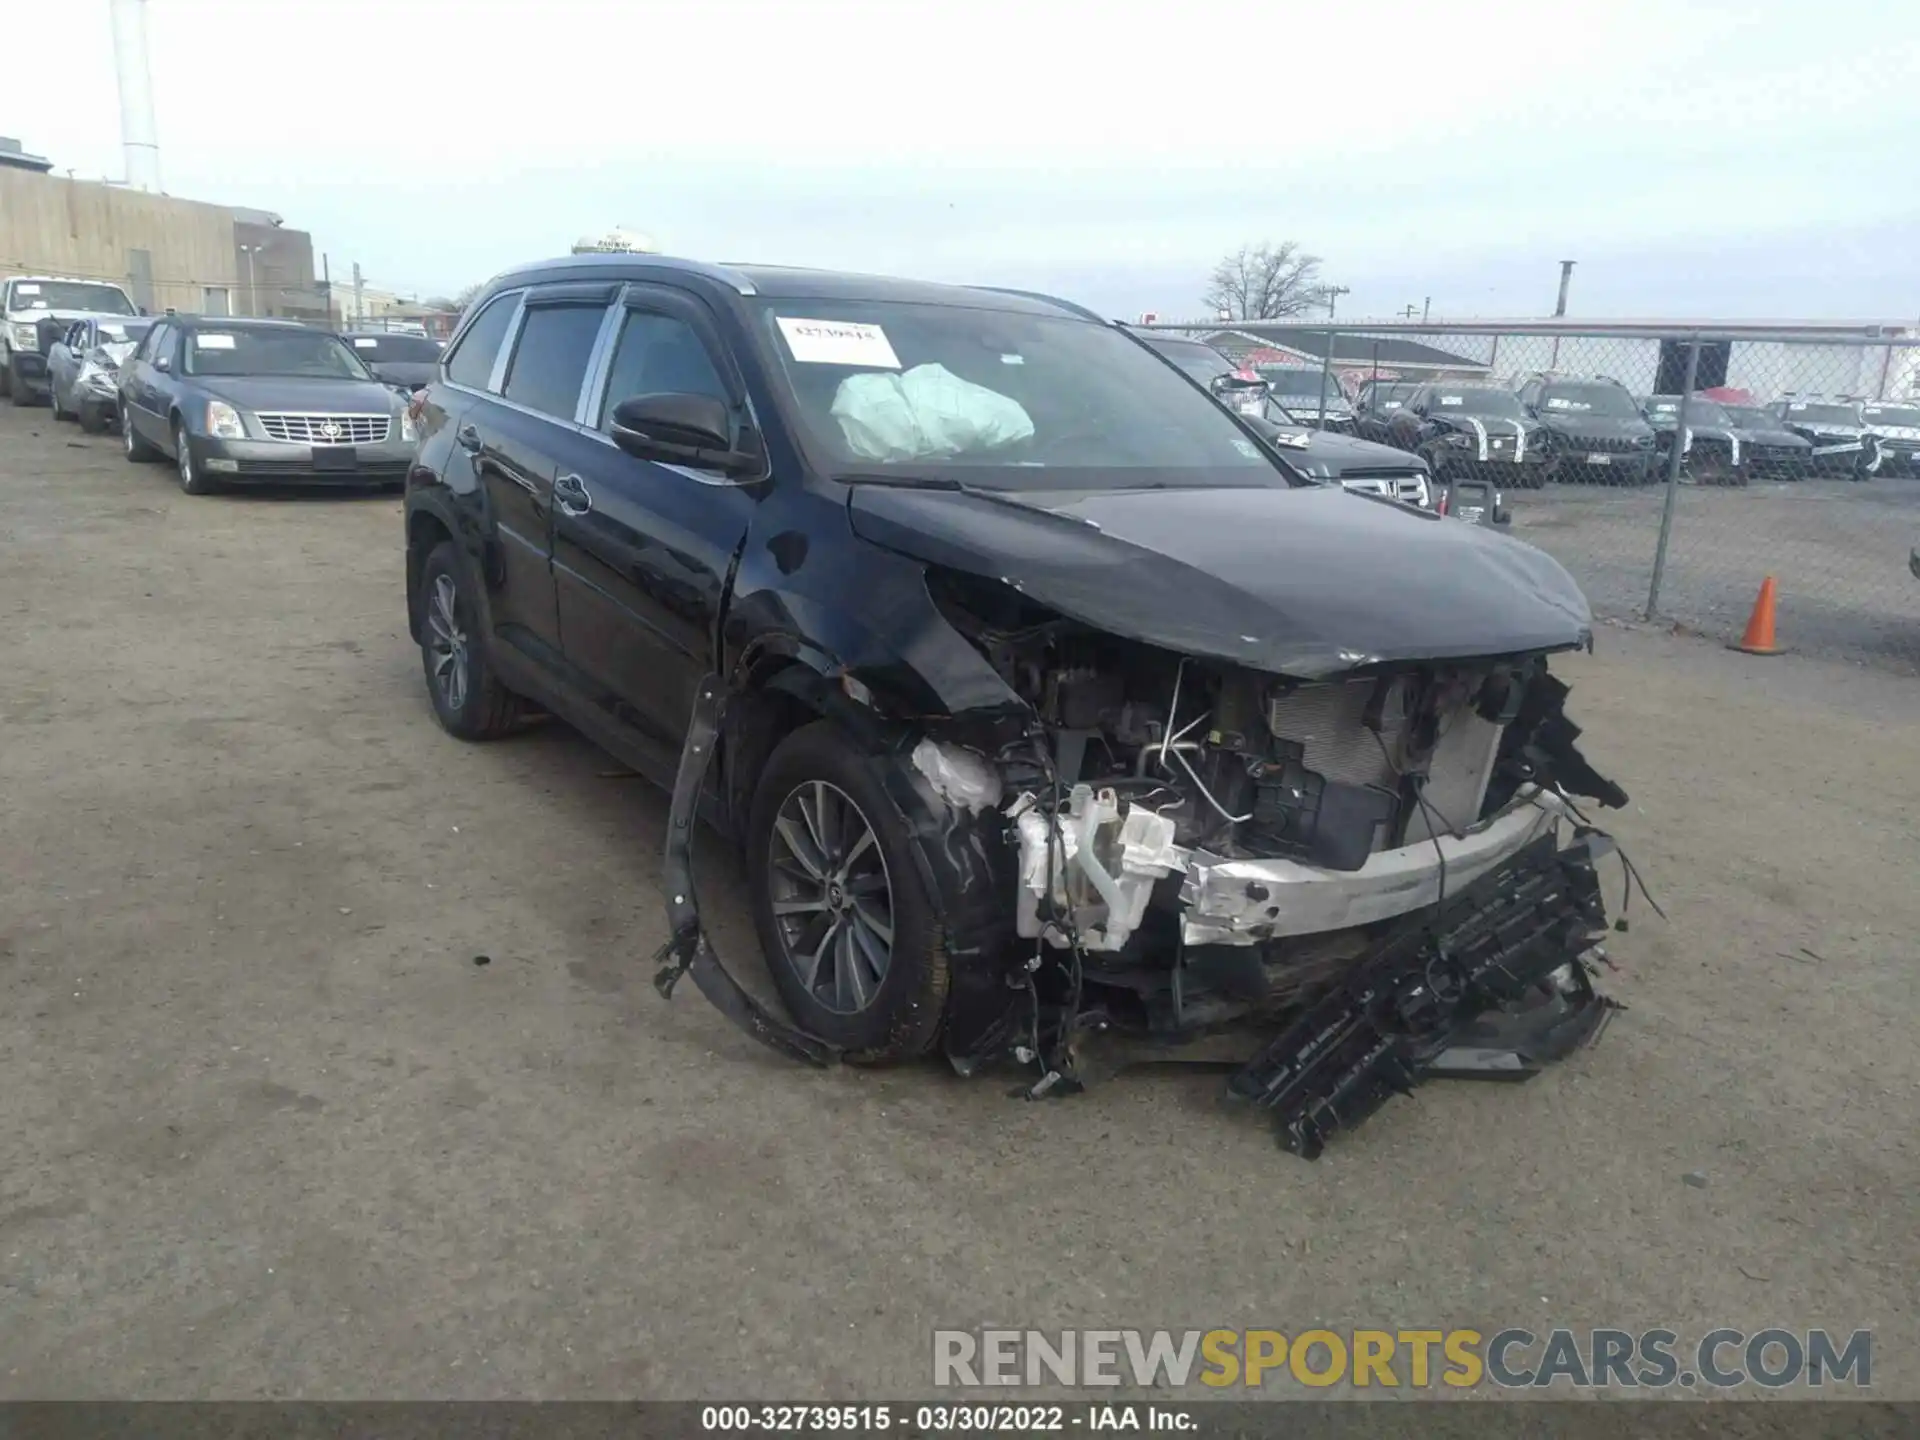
[1265, 282]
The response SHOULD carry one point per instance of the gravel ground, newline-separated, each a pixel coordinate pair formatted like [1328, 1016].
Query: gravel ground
[268, 1128]
[1838, 551]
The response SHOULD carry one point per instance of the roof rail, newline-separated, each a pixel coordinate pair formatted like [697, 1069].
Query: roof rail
[1067, 305]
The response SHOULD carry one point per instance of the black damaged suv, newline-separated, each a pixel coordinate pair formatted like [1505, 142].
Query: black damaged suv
[1040, 695]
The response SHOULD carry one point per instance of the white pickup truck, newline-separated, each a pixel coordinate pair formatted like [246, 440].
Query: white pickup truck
[36, 309]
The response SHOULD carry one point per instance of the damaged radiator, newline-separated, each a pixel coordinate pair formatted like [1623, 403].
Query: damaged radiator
[1407, 1002]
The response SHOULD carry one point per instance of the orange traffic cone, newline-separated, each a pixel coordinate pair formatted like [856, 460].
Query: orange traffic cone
[1759, 637]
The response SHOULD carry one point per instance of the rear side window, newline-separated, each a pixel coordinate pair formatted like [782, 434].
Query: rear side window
[658, 355]
[473, 357]
[550, 362]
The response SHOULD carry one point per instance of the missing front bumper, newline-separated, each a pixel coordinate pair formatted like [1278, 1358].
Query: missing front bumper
[1502, 959]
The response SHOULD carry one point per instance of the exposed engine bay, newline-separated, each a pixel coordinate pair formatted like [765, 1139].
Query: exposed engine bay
[1375, 878]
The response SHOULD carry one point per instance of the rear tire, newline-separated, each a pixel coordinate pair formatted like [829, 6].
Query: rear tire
[53, 399]
[468, 700]
[820, 821]
[90, 418]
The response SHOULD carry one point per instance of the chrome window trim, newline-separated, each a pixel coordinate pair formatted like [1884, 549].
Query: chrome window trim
[509, 342]
[586, 410]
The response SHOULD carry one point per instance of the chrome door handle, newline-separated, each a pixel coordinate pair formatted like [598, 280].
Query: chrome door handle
[570, 493]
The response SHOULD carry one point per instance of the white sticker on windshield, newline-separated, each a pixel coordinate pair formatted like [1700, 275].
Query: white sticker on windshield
[1013, 359]
[366, 344]
[25, 289]
[213, 342]
[1453, 399]
[1559, 404]
[838, 342]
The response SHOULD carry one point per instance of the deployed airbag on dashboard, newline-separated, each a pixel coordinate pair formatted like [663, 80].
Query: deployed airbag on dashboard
[925, 414]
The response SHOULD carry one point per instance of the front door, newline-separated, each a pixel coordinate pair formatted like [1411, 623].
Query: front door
[642, 551]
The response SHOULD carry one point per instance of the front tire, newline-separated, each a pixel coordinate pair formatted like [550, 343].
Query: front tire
[60, 412]
[468, 700]
[192, 482]
[90, 418]
[849, 933]
[136, 449]
[17, 387]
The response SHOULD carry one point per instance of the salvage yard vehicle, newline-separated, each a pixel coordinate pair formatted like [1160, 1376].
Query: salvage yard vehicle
[1374, 405]
[1711, 454]
[1356, 465]
[236, 401]
[406, 362]
[1895, 428]
[1836, 430]
[1591, 429]
[83, 369]
[1049, 707]
[1768, 449]
[35, 311]
[1474, 432]
[1305, 389]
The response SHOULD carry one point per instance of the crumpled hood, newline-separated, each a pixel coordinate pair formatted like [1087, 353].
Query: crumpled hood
[1307, 582]
[299, 392]
[1767, 435]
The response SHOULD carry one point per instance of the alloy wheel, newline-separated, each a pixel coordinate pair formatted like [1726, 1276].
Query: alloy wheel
[832, 899]
[447, 644]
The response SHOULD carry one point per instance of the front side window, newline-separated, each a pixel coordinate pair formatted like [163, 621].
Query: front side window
[309, 353]
[658, 355]
[550, 359]
[157, 340]
[472, 360]
[998, 399]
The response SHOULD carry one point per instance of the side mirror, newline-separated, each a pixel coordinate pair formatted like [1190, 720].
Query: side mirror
[677, 429]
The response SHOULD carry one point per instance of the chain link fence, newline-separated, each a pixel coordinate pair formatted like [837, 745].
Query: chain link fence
[1670, 471]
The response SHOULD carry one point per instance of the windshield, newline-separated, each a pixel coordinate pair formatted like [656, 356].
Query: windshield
[1202, 362]
[1469, 400]
[1900, 417]
[1390, 397]
[1606, 401]
[1666, 408]
[271, 352]
[1808, 411]
[405, 349]
[67, 295]
[1295, 383]
[954, 394]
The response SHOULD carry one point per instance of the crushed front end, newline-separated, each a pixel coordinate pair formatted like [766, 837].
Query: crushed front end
[1341, 886]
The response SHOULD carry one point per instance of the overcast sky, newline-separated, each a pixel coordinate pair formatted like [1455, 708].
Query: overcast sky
[1698, 159]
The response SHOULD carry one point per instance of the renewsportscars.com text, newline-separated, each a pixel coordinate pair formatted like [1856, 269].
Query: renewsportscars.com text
[1723, 1359]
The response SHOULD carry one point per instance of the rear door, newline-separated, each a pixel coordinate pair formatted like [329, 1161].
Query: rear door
[517, 382]
[642, 550]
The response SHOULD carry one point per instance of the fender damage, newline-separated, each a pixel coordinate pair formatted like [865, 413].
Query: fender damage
[1211, 800]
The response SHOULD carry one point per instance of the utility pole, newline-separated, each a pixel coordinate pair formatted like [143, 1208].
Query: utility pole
[253, 287]
[1425, 306]
[1405, 314]
[359, 296]
[1334, 292]
[1566, 279]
